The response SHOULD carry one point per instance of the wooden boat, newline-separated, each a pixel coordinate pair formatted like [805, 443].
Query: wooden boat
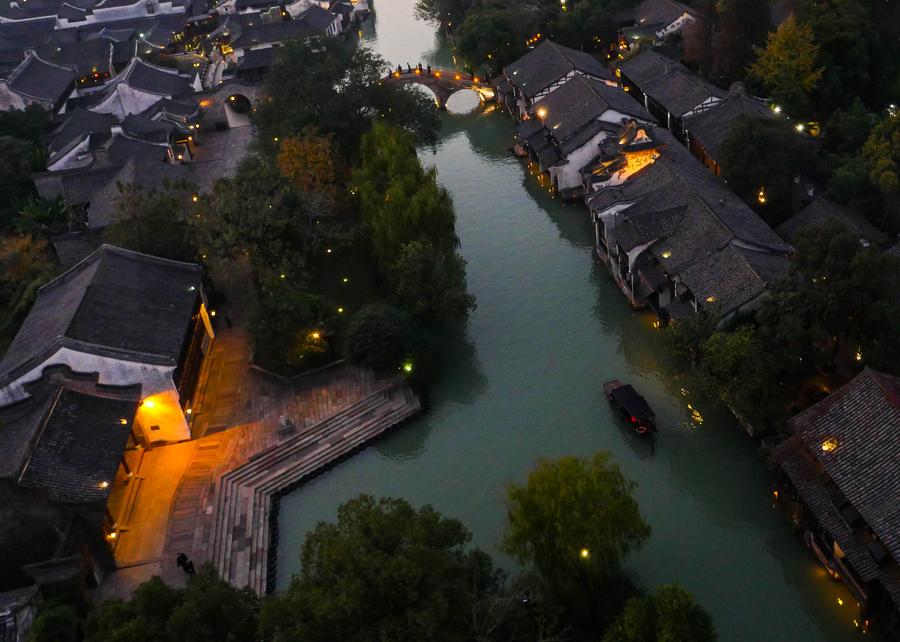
[632, 406]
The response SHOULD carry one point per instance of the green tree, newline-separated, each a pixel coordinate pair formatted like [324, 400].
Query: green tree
[573, 522]
[400, 202]
[154, 221]
[379, 337]
[383, 571]
[56, 623]
[882, 155]
[669, 615]
[430, 284]
[20, 158]
[787, 66]
[490, 36]
[41, 218]
[341, 93]
[208, 609]
[764, 153]
[256, 215]
[742, 27]
[449, 14]
[292, 326]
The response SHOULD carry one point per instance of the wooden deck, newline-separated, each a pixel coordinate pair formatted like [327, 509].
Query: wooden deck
[238, 462]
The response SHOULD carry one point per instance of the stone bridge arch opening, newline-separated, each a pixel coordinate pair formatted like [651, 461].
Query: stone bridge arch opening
[442, 83]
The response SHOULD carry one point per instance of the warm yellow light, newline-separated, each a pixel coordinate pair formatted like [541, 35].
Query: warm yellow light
[340, 310]
[457, 76]
[585, 553]
[315, 335]
[148, 403]
[840, 602]
[710, 299]
[666, 254]
[212, 313]
[799, 127]
[541, 113]
[858, 354]
[103, 484]
[761, 195]
[195, 198]
[123, 421]
[112, 536]
[830, 444]
[282, 275]
[189, 411]
[328, 251]
[437, 74]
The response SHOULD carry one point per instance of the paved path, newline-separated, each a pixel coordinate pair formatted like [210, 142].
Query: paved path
[237, 419]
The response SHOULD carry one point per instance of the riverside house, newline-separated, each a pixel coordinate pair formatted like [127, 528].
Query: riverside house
[838, 475]
[542, 71]
[568, 126]
[668, 89]
[675, 237]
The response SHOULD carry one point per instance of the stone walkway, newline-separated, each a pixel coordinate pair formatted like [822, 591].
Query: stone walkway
[227, 475]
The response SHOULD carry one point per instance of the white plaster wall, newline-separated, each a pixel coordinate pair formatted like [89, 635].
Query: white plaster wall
[568, 176]
[154, 380]
[78, 156]
[125, 101]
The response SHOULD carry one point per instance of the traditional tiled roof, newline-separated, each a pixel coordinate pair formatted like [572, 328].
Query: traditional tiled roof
[833, 511]
[711, 126]
[271, 32]
[581, 100]
[639, 228]
[115, 299]
[105, 202]
[820, 211]
[549, 62]
[894, 250]
[79, 124]
[79, 446]
[724, 280]
[41, 80]
[668, 82]
[317, 18]
[155, 80]
[860, 422]
[257, 59]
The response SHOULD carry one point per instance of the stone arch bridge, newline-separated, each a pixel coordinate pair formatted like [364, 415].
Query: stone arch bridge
[443, 83]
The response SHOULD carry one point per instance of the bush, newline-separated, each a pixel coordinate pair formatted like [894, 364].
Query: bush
[379, 337]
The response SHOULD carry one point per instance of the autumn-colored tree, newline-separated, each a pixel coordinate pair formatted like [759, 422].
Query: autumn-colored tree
[882, 153]
[787, 66]
[310, 162]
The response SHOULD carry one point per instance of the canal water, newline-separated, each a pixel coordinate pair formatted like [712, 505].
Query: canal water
[525, 383]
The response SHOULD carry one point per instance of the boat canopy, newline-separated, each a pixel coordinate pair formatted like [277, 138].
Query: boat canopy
[633, 403]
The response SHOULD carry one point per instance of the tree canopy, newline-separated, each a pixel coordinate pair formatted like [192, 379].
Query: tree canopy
[379, 337]
[383, 571]
[670, 614]
[788, 66]
[207, 610]
[340, 93]
[573, 522]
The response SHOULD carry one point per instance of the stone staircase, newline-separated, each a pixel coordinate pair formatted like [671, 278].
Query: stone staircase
[241, 536]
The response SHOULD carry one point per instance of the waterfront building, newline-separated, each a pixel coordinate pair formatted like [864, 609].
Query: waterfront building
[542, 71]
[839, 478]
[66, 15]
[569, 125]
[673, 236]
[667, 89]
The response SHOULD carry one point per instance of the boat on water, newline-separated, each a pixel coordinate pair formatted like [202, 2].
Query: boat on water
[632, 406]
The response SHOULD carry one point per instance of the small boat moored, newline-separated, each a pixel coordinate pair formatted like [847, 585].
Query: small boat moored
[632, 406]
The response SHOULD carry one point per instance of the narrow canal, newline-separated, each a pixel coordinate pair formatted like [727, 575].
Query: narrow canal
[526, 383]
